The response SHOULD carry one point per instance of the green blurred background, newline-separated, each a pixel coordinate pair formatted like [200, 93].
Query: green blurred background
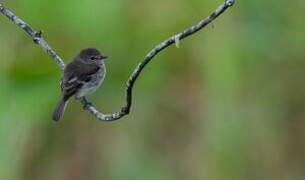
[229, 104]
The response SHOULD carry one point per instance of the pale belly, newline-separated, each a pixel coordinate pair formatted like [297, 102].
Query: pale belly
[91, 86]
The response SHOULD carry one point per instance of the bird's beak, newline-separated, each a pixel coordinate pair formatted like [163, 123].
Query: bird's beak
[103, 57]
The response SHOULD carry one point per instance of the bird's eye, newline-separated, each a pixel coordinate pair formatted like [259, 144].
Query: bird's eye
[92, 58]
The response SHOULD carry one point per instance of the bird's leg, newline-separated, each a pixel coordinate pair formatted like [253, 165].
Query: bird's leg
[84, 101]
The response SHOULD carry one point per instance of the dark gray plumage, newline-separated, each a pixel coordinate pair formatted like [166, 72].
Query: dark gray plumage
[81, 77]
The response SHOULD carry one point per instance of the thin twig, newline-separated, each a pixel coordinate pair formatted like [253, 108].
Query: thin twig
[175, 39]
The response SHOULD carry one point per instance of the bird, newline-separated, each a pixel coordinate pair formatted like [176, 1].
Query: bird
[82, 76]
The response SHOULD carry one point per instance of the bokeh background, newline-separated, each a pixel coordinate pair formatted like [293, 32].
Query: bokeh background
[229, 104]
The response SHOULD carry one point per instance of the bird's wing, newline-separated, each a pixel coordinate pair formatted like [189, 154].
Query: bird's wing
[75, 76]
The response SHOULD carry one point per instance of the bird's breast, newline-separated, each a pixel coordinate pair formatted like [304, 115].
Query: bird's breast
[94, 83]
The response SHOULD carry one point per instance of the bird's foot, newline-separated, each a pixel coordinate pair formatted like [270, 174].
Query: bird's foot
[87, 105]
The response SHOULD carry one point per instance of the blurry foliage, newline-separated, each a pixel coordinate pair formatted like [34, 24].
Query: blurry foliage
[227, 105]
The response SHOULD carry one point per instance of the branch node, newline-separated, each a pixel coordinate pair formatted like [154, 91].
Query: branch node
[177, 40]
[125, 110]
[37, 36]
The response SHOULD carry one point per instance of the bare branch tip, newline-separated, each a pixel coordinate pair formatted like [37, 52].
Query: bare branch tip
[230, 2]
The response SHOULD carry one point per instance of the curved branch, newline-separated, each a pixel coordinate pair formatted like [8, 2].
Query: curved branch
[38, 39]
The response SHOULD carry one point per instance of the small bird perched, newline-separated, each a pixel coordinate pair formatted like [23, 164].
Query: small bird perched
[82, 76]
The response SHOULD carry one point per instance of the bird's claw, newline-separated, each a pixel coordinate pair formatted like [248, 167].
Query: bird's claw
[87, 105]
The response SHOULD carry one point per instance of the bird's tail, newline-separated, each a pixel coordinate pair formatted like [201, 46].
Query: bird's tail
[59, 110]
